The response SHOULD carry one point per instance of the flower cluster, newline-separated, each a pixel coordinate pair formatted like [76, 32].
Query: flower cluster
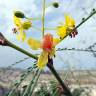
[47, 45]
[68, 28]
[48, 42]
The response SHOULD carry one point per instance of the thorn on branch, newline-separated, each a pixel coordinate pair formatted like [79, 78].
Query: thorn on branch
[93, 10]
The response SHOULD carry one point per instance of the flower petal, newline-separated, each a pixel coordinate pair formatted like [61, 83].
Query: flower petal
[34, 44]
[17, 21]
[69, 21]
[26, 25]
[42, 60]
[56, 41]
[21, 35]
[62, 31]
[18, 37]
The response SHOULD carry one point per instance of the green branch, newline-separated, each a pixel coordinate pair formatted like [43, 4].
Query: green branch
[94, 12]
[32, 84]
[35, 82]
[22, 50]
[17, 62]
[43, 17]
[65, 88]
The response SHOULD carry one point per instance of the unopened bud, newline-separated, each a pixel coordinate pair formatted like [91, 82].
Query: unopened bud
[19, 14]
[55, 4]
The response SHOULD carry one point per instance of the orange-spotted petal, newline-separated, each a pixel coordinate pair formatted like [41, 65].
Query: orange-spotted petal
[47, 42]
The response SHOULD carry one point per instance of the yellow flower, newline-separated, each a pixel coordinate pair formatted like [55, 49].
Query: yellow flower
[66, 29]
[47, 45]
[34, 44]
[21, 26]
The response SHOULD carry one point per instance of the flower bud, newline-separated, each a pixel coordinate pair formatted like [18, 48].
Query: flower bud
[19, 14]
[55, 4]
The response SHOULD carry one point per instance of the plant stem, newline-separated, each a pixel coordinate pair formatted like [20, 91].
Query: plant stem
[85, 19]
[33, 18]
[65, 49]
[50, 28]
[22, 50]
[35, 82]
[17, 62]
[43, 17]
[66, 75]
[65, 88]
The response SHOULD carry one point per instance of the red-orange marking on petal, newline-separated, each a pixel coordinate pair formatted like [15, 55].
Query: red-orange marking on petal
[47, 42]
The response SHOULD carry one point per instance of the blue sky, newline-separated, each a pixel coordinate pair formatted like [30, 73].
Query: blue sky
[53, 17]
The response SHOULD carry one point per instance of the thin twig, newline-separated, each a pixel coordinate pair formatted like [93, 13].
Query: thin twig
[33, 82]
[17, 62]
[43, 17]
